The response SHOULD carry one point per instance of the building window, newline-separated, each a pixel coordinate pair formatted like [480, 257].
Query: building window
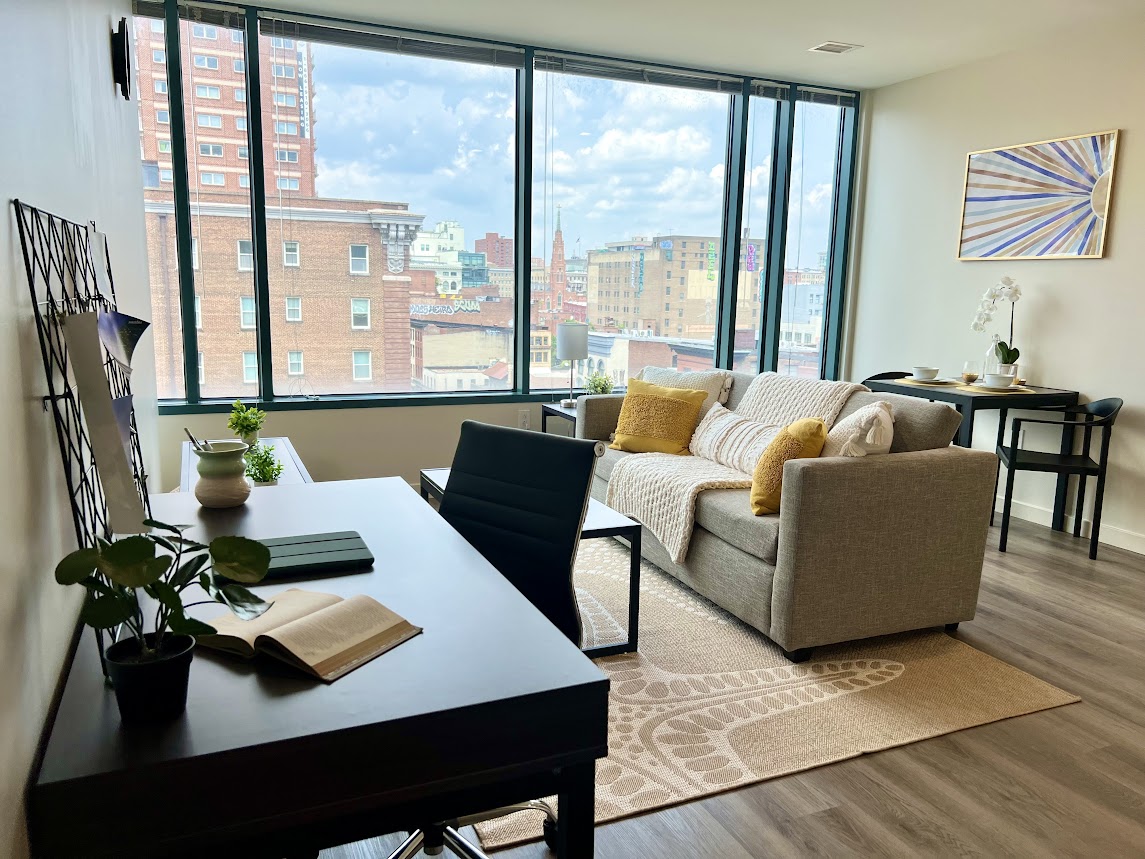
[286, 99]
[211, 150]
[240, 94]
[294, 363]
[290, 254]
[158, 56]
[359, 313]
[160, 86]
[363, 365]
[240, 123]
[359, 259]
[247, 318]
[163, 117]
[244, 180]
[286, 128]
[239, 66]
[246, 255]
[280, 70]
[203, 31]
[209, 120]
[290, 155]
[206, 91]
[287, 183]
[244, 153]
[206, 61]
[156, 25]
[198, 313]
[202, 375]
[165, 175]
[279, 42]
[294, 308]
[195, 267]
[250, 368]
[164, 145]
[212, 179]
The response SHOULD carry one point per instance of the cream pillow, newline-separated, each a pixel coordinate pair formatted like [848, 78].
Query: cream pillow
[867, 432]
[731, 440]
[717, 384]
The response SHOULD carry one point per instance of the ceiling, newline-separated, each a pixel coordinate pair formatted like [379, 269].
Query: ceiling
[902, 39]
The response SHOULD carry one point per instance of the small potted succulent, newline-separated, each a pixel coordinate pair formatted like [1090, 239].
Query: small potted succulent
[598, 383]
[149, 667]
[245, 422]
[262, 466]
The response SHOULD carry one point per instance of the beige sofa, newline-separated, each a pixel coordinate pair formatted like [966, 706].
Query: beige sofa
[861, 546]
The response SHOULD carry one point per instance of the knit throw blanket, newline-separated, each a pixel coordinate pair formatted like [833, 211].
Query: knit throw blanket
[660, 489]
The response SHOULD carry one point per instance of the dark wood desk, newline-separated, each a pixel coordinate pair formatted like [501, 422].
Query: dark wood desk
[969, 403]
[293, 470]
[490, 705]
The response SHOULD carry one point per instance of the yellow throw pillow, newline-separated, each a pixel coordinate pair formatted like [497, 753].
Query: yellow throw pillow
[803, 439]
[655, 419]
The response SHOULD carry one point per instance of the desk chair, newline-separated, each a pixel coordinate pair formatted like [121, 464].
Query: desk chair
[1097, 415]
[520, 499]
[890, 376]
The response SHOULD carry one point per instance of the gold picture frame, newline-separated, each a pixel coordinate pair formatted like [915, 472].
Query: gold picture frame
[1045, 200]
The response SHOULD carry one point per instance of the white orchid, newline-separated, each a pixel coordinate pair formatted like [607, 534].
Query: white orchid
[1006, 289]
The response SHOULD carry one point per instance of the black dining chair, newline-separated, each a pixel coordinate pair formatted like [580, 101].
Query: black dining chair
[519, 498]
[888, 377]
[1099, 415]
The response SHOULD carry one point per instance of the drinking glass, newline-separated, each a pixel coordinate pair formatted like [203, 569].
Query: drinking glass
[970, 371]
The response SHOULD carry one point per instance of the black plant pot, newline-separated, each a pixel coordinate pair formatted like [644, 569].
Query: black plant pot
[152, 691]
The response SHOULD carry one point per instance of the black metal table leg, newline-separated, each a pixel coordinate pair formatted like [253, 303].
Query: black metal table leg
[575, 818]
[634, 590]
[1061, 496]
[965, 437]
[544, 421]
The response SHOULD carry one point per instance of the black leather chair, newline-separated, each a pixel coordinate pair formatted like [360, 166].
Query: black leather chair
[520, 499]
[1097, 415]
[889, 376]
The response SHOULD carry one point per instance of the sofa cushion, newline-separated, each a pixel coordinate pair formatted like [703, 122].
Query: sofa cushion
[802, 439]
[740, 383]
[715, 383]
[726, 513]
[608, 461]
[655, 419]
[731, 440]
[919, 425]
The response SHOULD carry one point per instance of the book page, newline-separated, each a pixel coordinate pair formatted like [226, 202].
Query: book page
[238, 636]
[340, 637]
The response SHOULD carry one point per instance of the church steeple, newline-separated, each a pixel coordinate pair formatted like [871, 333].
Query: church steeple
[557, 256]
[558, 217]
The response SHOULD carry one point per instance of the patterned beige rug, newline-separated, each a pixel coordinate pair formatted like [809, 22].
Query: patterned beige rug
[709, 704]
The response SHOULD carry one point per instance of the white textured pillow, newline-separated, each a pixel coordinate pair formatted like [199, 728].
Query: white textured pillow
[731, 440]
[717, 384]
[867, 432]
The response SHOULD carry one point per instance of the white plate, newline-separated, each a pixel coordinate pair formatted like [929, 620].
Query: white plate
[934, 381]
[996, 390]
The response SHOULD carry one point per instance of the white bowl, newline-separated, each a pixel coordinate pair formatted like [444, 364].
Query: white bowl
[925, 373]
[998, 380]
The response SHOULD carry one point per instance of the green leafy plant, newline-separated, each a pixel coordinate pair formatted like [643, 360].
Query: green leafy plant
[598, 383]
[245, 420]
[114, 572]
[1006, 354]
[261, 464]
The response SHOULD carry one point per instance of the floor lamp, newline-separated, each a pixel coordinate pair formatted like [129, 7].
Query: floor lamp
[572, 346]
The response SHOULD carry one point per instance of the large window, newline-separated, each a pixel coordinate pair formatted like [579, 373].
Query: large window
[408, 200]
[627, 222]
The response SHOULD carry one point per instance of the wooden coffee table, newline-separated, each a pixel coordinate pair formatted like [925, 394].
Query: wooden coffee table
[600, 521]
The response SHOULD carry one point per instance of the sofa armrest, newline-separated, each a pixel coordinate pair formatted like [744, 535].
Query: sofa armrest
[880, 544]
[597, 414]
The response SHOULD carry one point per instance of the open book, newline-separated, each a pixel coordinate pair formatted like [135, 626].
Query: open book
[322, 634]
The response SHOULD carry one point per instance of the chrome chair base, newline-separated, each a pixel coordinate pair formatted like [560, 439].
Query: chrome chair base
[446, 834]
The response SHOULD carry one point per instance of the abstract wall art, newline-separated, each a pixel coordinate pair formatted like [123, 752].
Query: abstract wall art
[1046, 200]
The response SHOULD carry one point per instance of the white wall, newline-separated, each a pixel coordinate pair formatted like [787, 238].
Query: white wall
[72, 147]
[1079, 324]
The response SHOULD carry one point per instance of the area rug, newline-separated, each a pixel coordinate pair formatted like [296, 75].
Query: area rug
[708, 704]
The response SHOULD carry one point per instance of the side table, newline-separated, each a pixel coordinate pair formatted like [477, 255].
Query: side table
[556, 410]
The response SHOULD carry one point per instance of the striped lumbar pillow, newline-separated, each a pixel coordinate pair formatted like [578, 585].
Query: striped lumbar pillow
[731, 440]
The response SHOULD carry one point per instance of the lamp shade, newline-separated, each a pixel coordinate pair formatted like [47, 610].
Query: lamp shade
[572, 341]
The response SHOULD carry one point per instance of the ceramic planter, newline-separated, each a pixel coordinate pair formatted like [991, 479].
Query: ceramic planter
[250, 439]
[153, 691]
[222, 481]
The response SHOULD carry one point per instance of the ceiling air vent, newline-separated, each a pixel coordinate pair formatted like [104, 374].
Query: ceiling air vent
[834, 48]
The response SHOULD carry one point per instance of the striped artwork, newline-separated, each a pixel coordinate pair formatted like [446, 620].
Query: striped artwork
[1045, 200]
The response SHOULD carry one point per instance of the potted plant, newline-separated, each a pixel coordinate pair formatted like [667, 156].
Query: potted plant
[149, 670]
[262, 466]
[598, 383]
[1003, 351]
[245, 422]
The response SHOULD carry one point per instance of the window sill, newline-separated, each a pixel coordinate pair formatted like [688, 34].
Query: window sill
[363, 401]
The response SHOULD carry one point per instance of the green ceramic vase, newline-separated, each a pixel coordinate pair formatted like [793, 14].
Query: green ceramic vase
[222, 481]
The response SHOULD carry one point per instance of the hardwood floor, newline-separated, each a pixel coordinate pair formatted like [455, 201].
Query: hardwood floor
[1066, 782]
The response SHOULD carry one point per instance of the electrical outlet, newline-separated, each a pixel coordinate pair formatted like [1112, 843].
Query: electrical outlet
[523, 419]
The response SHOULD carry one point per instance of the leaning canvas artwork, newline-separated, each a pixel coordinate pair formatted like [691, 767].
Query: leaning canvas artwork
[1047, 200]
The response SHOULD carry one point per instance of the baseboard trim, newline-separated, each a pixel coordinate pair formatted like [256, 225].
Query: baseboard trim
[1110, 534]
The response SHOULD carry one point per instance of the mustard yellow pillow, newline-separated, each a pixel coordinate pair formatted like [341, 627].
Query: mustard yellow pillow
[803, 439]
[655, 419]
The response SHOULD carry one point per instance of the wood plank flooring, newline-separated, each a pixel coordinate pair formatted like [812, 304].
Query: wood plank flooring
[1066, 782]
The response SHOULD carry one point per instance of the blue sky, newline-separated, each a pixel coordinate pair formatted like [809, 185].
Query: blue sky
[620, 159]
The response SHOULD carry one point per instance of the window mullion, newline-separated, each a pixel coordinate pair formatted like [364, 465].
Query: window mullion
[253, 83]
[782, 144]
[840, 241]
[523, 227]
[733, 218]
